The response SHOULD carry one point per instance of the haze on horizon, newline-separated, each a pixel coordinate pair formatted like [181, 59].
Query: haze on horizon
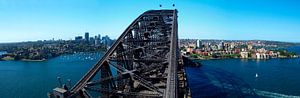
[33, 20]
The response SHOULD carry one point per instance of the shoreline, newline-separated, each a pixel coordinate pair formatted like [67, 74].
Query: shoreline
[240, 58]
[29, 60]
[42, 60]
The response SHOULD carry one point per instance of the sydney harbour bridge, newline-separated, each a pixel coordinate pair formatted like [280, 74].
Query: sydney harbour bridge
[144, 62]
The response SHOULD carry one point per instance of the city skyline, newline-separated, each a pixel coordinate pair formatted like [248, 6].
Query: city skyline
[227, 20]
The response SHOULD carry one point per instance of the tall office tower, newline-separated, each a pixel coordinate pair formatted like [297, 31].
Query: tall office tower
[96, 42]
[99, 37]
[86, 36]
[106, 40]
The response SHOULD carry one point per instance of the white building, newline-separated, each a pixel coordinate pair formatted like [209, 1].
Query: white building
[258, 56]
[244, 54]
[199, 44]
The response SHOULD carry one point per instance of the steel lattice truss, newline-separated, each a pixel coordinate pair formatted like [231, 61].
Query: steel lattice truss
[142, 62]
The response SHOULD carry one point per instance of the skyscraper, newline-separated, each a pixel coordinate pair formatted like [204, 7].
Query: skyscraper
[106, 40]
[92, 40]
[86, 36]
[199, 44]
[78, 38]
[221, 45]
[96, 42]
[99, 38]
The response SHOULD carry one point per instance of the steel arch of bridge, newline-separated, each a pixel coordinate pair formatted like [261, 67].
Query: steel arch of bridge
[145, 58]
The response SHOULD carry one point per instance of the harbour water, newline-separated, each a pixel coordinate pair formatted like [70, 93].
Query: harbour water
[19, 79]
[275, 77]
[268, 78]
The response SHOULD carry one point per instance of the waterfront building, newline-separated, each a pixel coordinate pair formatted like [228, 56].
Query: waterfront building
[258, 56]
[253, 55]
[244, 54]
[262, 56]
[272, 54]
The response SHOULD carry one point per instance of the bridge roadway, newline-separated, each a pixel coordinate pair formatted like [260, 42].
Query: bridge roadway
[148, 46]
[171, 91]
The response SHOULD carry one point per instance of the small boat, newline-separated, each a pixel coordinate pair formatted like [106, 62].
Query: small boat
[256, 75]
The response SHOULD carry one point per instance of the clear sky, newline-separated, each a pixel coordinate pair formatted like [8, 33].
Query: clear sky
[24, 20]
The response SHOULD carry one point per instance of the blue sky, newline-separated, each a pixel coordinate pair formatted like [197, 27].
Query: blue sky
[25, 20]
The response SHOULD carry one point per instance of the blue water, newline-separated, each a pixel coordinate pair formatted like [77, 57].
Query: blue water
[276, 77]
[34, 79]
[294, 49]
[230, 77]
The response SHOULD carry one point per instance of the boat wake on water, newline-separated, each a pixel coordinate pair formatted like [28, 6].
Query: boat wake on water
[273, 95]
[213, 82]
